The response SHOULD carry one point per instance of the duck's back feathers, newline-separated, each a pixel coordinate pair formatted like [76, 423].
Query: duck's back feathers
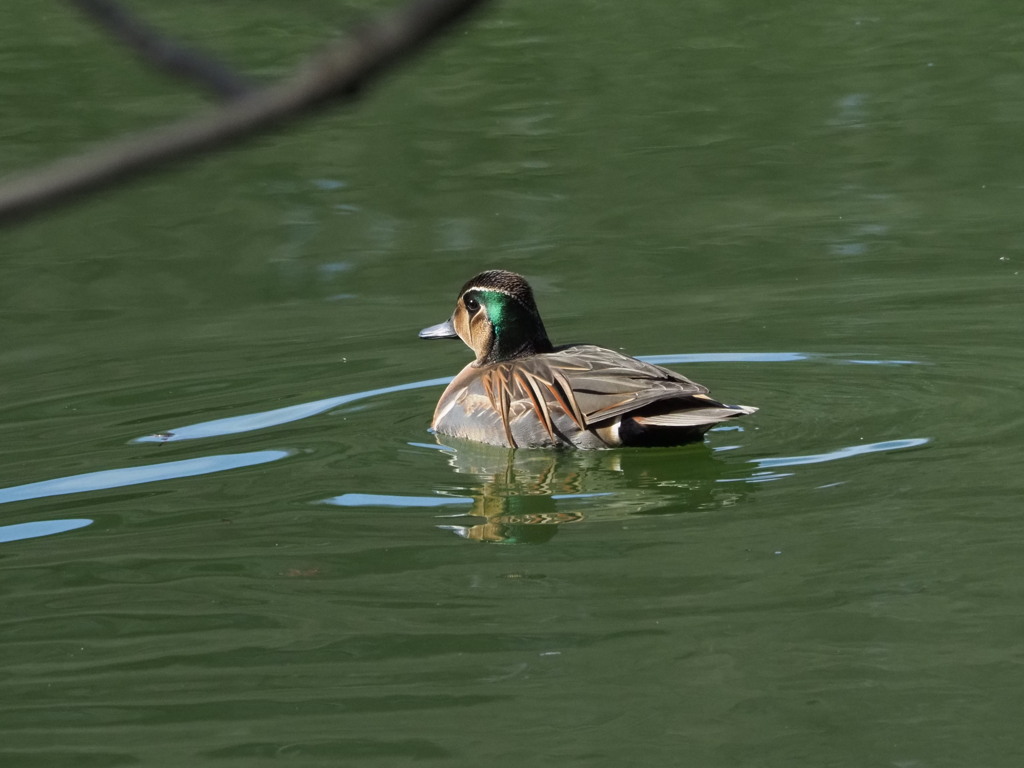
[579, 395]
[609, 384]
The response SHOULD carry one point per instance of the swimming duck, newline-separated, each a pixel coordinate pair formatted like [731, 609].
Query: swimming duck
[523, 392]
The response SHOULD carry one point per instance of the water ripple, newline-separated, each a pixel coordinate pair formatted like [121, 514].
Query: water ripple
[818, 458]
[766, 357]
[414, 502]
[841, 453]
[125, 476]
[248, 422]
[726, 357]
[21, 531]
[384, 500]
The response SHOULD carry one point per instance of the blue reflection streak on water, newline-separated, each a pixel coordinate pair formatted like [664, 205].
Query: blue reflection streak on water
[726, 357]
[381, 500]
[384, 500]
[818, 458]
[150, 473]
[765, 357]
[883, 362]
[21, 531]
[249, 422]
[842, 453]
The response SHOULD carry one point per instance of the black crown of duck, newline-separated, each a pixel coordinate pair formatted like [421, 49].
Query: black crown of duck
[522, 392]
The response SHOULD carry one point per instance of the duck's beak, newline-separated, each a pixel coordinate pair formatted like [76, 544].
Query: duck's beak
[445, 330]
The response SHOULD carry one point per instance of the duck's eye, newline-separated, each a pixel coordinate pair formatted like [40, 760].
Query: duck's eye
[471, 304]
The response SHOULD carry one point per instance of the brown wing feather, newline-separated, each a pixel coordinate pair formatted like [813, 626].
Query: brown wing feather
[562, 391]
[528, 383]
[499, 392]
[606, 384]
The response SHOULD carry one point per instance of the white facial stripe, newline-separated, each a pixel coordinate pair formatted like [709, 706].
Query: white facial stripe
[486, 290]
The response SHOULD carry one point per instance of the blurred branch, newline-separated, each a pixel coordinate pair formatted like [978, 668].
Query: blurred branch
[334, 76]
[161, 51]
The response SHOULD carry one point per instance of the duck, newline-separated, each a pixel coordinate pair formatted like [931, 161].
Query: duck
[521, 391]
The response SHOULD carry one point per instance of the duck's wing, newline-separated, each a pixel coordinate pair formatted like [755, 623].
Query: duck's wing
[594, 384]
[553, 398]
[695, 417]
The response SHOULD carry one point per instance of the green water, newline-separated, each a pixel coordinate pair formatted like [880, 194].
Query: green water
[227, 539]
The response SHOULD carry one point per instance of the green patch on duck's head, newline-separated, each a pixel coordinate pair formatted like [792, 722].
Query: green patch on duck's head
[504, 302]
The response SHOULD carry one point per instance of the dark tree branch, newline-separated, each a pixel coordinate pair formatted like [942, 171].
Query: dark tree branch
[162, 52]
[334, 76]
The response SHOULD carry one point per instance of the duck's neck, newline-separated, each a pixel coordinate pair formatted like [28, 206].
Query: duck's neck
[515, 337]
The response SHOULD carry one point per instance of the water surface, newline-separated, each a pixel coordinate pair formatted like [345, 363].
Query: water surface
[227, 538]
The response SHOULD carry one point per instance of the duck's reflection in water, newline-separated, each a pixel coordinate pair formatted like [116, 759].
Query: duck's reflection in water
[524, 496]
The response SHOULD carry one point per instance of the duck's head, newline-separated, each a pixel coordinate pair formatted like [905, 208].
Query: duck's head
[497, 318]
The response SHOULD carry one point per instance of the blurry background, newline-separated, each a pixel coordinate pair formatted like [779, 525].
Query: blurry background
[814, 209]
